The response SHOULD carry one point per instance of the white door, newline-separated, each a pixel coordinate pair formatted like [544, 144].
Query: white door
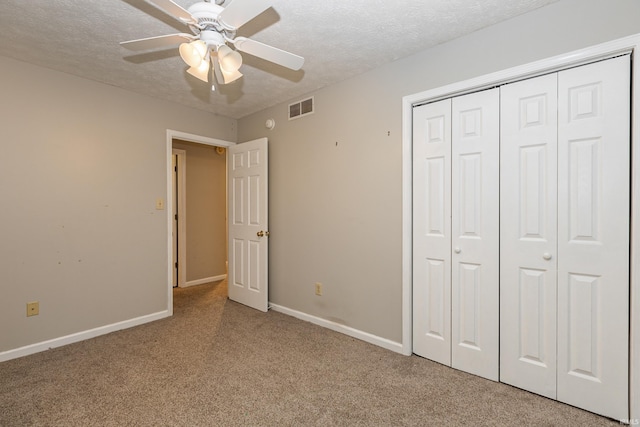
[248, 223]
[528, 224]
[432, 231]
[475, 131]
[565, 158]
[593, 238]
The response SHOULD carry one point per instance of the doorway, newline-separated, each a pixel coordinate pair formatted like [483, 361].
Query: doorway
[200, 215]
[190, 276]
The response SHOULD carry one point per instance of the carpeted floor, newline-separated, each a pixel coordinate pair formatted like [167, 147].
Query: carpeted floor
[218, 363]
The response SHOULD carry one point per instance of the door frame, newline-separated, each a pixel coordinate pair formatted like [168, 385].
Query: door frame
[198, 139]
[181, 208]
[598, 52]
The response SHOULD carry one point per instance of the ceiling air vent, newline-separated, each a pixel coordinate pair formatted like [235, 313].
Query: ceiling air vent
[301, 108]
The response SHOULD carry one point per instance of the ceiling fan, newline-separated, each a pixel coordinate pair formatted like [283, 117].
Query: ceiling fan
[213, 26]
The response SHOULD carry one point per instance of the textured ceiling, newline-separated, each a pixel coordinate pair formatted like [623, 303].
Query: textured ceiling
[338, 38]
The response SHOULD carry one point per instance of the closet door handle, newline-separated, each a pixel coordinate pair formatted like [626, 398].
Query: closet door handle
[457, 250]
[546, 256]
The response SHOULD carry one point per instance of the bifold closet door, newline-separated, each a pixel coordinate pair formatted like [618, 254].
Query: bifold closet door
[593, 236]
[475, 165]
[564, 264]
[528, 226]
[455, 187]
[432, 231]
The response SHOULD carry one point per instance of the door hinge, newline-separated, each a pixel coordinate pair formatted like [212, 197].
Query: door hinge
[176, 217]
[176, 265]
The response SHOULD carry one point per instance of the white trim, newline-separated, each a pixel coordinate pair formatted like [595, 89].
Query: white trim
[80, 336]
[199, 139]
[169, 184]
[171, 135]
[634, 297]
[181, 163]
[407, 228]
[629, 44]
[203, 281]
[337, 327]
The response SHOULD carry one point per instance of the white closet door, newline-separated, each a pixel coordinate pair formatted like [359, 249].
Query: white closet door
[432, 231]
[528, 224]
[593, 239]
[475, 134]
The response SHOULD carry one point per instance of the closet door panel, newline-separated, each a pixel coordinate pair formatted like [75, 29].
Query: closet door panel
[593, 238]
[475, 223]
[432, 231]
[528, 227]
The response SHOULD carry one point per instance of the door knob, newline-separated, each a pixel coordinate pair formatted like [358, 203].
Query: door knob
[546, 256]
[260, 233]
[457, 250]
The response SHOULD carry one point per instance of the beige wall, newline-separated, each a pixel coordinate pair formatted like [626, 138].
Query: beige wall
[336, 176]
[83, 164]
[205, 211]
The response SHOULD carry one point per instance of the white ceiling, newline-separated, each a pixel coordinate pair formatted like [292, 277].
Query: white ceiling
[338, 38]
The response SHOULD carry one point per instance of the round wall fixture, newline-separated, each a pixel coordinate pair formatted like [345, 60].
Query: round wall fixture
[270, 124]
[220, 150]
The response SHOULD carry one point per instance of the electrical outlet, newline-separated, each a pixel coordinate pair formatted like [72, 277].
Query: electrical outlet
[319, 289]
[33, 308]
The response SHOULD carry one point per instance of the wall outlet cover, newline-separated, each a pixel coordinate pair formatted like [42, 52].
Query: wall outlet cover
[33, 308]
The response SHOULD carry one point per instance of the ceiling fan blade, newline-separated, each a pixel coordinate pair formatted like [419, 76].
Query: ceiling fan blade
[175, 10]
[270, 53]
[158, 42]
[239, 12]
[224, 77]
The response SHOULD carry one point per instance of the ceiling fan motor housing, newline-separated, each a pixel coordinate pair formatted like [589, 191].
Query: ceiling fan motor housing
[212, 38]
[205, 13]
[208, 24]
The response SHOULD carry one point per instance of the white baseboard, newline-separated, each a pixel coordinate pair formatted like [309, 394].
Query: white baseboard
[355, 333]
[203, 281]
[80, 336]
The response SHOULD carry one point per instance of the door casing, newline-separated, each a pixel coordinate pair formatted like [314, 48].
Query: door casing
[180, 210]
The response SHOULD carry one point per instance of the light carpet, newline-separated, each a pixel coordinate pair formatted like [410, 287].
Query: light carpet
[219, 363]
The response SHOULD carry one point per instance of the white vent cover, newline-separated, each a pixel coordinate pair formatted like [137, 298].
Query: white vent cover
[301, 108]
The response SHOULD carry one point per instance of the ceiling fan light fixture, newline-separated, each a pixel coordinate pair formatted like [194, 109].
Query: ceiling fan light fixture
[201, 71]
[230, 60]
[193, 53]
[230, 76]
[223, 76]
[214, 29]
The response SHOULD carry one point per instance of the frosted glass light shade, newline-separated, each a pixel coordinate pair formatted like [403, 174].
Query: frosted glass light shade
[193, 53]
[230, 60]
[223, 76]
[201, 71]
[230, 76]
